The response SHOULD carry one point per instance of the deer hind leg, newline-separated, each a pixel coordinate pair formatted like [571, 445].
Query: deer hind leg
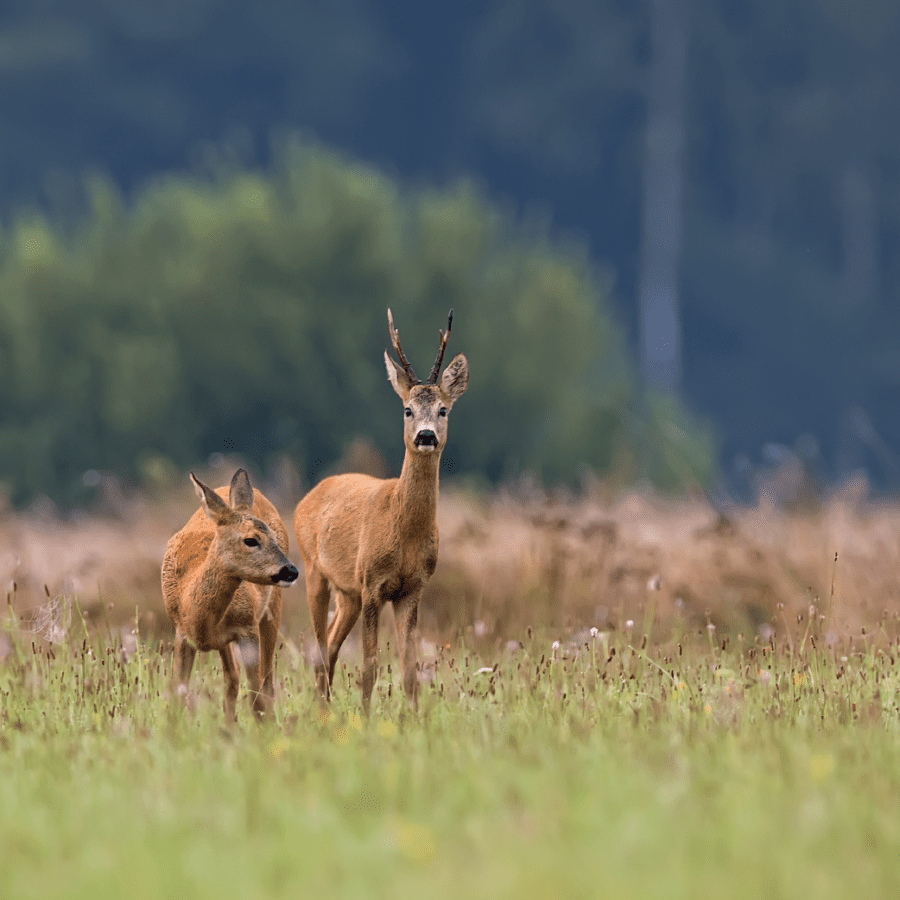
[349, 607]
[184, 662]
[406, 614]
[370, 612]
[232, 681]
[318, 596]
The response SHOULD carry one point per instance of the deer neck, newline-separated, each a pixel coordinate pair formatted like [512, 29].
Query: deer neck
[214, 586]
[415, 498]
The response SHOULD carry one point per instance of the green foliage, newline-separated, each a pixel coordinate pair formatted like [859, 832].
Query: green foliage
[245, 312]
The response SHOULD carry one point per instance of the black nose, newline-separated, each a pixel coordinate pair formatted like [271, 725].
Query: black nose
[287, 574]
[426, 437]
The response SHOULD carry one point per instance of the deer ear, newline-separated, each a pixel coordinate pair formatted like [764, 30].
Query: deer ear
[213, 505]
[241, 494]
[397, 377]
[455, 379]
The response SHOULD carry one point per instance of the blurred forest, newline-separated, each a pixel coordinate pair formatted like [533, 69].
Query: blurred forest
[244, 313]
[765, 131]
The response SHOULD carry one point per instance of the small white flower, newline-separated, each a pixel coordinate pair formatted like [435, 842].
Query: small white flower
[629, 625]
[595, 632]
[556, 645]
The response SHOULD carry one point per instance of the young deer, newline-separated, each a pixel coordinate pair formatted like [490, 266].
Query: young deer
[371, 540]
[222, 576]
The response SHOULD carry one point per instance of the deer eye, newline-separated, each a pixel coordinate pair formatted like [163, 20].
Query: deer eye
[407, 412]
[251, 542]
[442, 411]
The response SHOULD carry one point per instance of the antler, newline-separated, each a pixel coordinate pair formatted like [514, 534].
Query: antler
[395, 340]
[436, 368]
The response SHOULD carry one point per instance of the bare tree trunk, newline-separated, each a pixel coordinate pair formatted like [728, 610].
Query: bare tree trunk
[660, 322]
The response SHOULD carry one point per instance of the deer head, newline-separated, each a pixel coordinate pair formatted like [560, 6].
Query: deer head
[246, 546]
[426, 406]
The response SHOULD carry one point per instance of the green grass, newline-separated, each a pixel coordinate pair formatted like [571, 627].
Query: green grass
[638, 773]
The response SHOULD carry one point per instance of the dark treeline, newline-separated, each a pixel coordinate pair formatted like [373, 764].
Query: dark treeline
[791, 158]
[244, 313]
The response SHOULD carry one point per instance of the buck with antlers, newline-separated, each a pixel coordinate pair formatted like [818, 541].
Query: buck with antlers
[371, 541]
[222, 576]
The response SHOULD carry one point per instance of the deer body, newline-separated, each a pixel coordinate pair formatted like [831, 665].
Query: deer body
[371, 541]
[222, 576]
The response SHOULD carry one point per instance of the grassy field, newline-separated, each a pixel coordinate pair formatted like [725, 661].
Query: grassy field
[729, 729]
[604, 766]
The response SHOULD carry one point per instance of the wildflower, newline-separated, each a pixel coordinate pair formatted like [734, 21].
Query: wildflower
[386, 729]
[415, 841]
[595, 632]
[629, 624]
[821, 765]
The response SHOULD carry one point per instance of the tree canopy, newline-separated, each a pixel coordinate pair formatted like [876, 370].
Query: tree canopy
[243, 311]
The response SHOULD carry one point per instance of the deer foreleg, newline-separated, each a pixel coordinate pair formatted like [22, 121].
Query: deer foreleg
[406, 613]
[232, 681]
[370, 612]
[250, 654]
[184, 662]
[268, 638]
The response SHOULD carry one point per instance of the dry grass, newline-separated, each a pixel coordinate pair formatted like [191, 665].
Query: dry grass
[510, 561]
[668, 566]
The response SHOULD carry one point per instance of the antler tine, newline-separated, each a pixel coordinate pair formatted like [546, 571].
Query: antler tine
[436, 368]
[395, 341]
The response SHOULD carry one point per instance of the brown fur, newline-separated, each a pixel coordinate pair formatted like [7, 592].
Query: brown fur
[218, 591]
[371, 540]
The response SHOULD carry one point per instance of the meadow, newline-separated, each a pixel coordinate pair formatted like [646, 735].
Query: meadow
[618, 697]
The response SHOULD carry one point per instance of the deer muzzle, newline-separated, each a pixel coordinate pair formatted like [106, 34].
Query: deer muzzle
[426, 438]
[285, 576]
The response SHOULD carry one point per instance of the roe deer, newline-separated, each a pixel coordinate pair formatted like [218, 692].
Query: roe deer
[222, 576]
[372, 540]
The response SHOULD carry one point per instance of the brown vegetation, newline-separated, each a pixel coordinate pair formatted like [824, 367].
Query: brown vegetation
[509, 561]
